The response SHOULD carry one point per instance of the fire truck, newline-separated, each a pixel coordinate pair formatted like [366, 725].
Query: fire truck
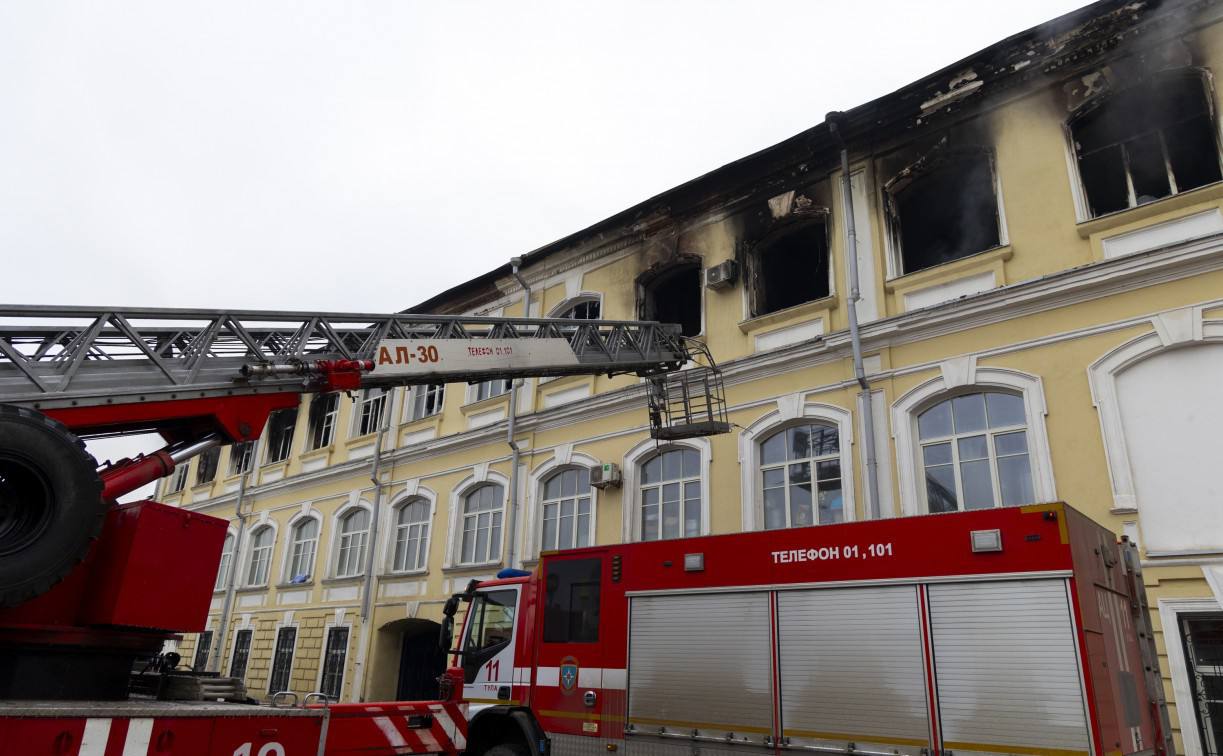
[996, 632]
[85, 596]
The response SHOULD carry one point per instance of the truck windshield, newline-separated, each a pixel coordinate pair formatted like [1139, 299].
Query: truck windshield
[490, 626]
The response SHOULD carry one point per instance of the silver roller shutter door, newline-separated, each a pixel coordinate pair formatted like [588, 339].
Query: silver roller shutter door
[701, 661]
[851, 665]
[1006, 667]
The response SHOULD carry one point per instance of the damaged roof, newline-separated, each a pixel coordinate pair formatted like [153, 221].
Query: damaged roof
[1052, 50]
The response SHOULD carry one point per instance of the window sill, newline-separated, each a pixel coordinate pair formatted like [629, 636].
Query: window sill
[948, 271]
[320, 455]
[798, 312]
[364, 438]
[472, 568]
[271, 466]
[421, 423]
[485, 404]
[405, 574]
[201, 490]
[1205, 195]
[294, 586]
[346, 580]
[251, 588]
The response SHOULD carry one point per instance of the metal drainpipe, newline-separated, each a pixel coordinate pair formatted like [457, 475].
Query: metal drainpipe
[515, 453]
[218, 645]
[371, 548]
[855, 339]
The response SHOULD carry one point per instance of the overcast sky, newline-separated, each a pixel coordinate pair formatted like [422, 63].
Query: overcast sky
[357, 155]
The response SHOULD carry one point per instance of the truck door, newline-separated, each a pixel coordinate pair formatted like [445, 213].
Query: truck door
[572, 687]
[489, 637]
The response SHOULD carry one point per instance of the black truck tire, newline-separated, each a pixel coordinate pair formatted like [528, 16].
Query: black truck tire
[51, 507]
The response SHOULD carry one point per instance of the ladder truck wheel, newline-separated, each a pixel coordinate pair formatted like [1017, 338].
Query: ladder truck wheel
[51, 506]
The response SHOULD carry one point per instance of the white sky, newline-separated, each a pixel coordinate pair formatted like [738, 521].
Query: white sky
[323, 155]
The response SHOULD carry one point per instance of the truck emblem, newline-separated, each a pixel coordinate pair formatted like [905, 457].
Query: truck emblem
[569, 674]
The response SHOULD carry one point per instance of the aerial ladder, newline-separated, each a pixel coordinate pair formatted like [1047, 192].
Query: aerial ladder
[77, 605]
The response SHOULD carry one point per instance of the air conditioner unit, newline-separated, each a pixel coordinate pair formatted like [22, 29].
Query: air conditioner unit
[607, 474]
[722, 275]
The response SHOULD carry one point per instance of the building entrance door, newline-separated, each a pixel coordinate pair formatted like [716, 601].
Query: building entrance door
[1203, 637]
[421, 662]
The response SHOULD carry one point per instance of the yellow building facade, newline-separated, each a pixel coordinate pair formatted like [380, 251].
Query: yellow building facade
[1040, 248]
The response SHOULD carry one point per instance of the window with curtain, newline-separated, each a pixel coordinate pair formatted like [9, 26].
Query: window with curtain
[303, 545]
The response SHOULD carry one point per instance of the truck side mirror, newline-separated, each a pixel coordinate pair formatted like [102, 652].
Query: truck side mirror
[446, 634]
[451, 607]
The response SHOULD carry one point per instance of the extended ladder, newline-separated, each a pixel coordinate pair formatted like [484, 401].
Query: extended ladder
[58, 357]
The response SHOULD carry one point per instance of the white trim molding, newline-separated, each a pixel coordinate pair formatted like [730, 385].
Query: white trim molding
[792, 410]
[563, 458]
[480, 475]
[1170, 330]
[1170, 610]
[630, 489]
[958, 374]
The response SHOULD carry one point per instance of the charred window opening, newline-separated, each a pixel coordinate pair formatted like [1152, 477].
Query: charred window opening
[790, 268]
[944, 207]
[673, 295]
[1146, 142]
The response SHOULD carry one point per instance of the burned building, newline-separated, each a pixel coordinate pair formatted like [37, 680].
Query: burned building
[1038, 249]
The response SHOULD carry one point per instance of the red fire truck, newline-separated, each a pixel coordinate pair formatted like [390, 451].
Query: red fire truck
[85, 593]
[1006, 631]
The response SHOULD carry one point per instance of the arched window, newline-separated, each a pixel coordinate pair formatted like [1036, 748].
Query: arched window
[974, 452]
[1148, 141]
[567, 520]
[354, 533]
[585, 308]
[261, 555]
[227, 558]
[481, 526]
[671, 494]
[800, 474]
[303, 545]
[411, 536]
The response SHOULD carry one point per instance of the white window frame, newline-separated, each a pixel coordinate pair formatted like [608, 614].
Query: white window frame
[480, 475]
[330, 419]
[578, 299]
[894, 255]
[420, 393]
[178, 481]
[299, 519]
[474, 389]
[369, 398]
[242, 457]
[1170, 610]
[249, 557]
[227, 560]
[544, 502]
[791, 410]
[425, 526]
[953, 440]
[338, 536]
[631, 486]
[1170, 329]
[563, 457]
[962, 375]
[267, 453]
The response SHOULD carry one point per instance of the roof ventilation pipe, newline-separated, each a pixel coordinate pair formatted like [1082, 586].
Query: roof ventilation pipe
[835, 121]
[515, 453]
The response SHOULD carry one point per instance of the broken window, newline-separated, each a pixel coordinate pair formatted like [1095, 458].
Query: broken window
[1146, 142]
[789, 267]
[943, 207]
[674, 296]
